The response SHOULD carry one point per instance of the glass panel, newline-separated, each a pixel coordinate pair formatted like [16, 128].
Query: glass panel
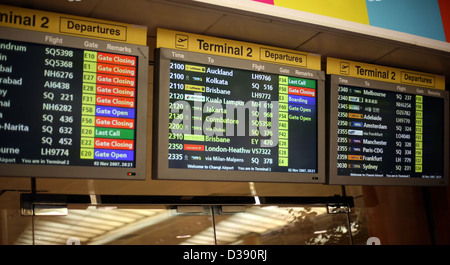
[11, 222]
[276, 225]
[258, 225]
[359, 222]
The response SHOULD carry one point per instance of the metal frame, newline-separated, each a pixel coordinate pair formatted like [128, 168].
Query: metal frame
[29, 201]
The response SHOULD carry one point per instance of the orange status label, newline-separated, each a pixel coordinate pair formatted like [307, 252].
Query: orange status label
[114, 101]
[114, 144]
[302, 91]
[116, 80]
[116, 59]
[116, 69]
[115, 91]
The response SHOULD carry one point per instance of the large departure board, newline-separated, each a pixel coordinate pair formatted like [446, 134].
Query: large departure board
[228, 119]
[387, 134]
[71, 107]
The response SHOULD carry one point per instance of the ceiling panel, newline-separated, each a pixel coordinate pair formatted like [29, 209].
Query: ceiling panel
[260, 30]
[122, 11]
[346, 46]
[236, 24]
[423, 61]
[154, 14]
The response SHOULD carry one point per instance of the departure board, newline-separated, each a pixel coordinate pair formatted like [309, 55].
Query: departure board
[229, 119]
[72, 107]
[389, 134]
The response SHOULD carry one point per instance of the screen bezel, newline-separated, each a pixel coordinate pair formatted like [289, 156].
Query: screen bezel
[160, 165]
[90, 172]
[333, 178]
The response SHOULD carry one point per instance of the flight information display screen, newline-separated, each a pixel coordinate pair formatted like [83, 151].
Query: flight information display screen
[387, 132]
[237, 120]
[66, 106]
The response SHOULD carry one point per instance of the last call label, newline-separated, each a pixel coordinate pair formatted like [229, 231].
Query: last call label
[66, 106]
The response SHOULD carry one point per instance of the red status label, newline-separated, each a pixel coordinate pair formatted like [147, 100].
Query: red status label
[302, 91]
[114, 144]
[116, 80]
[114, 122]
[116, 59]
[115, 90]
[116, 69]
[114, 101]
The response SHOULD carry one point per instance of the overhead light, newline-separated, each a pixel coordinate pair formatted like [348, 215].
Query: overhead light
[320, 232]
[107, 207]
[50, 210]
[257, 201]
[253, 192]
